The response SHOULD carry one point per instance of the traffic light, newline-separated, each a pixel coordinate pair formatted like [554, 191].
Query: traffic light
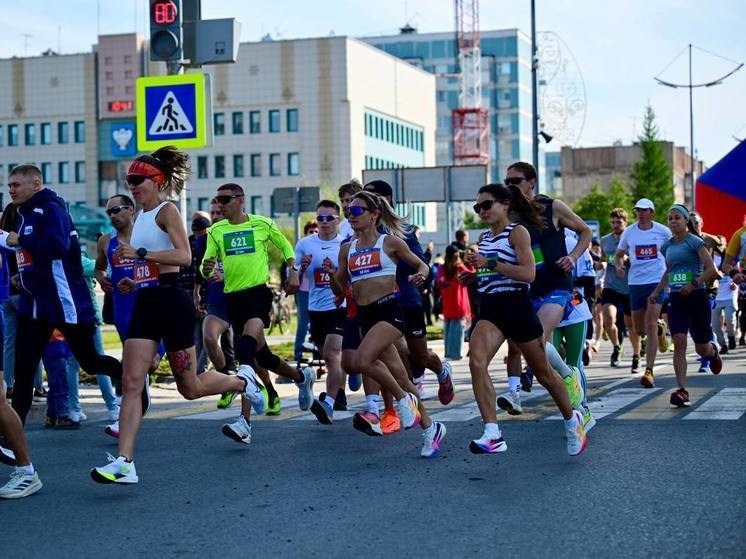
[165, 30]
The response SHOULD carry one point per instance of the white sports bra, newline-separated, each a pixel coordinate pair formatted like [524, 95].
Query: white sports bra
[147, 233]
[370, 262]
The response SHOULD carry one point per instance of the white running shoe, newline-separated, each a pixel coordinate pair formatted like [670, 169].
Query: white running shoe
[113, 415]
[510, 402]
[7, 456]
[576, 439]
[252, 391]
[305, 388]
[589, 422]
[118, 470]
[431, 439]
[488, 443]
[112, 430]
[20, 485]
[78, 416]
[239, 431]
[409, 412]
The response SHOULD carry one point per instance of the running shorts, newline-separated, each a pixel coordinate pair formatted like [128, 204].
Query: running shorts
[513, 314]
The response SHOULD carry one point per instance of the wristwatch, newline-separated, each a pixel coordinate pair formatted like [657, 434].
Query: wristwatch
[142, 252]
[492, 263]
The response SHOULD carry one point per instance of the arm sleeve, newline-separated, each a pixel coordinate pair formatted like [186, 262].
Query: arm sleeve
[279, 240]
[211, 250]
[51, 236]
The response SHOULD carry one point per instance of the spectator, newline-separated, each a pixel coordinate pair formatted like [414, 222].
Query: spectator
[462, 240]
[455, 301]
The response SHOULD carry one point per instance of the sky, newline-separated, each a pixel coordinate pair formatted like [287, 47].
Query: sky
[619, 45]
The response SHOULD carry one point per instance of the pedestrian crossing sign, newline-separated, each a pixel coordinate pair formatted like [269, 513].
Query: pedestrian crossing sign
[173, 111]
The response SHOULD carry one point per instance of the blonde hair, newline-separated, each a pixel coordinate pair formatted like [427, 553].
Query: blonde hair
[391, 221]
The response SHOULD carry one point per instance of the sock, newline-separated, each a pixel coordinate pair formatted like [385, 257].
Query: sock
[125, 458]
[492, 430]
[513, 384]
[246, 419]
[28, 470]
[372, 401]
[572, 422]
[418, 375]
[429, 429]
[556, 362]
[329, 400]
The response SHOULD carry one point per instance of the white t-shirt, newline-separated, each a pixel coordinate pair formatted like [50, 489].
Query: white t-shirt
[584, 265]
[647, 262]
[320, 295]
[345, 229]
[725, 293]
[579, 313]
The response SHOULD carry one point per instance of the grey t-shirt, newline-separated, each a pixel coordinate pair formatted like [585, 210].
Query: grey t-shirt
[609, 244]
[682, 260]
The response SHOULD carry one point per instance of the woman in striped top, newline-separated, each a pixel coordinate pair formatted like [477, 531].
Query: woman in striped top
[505, 267]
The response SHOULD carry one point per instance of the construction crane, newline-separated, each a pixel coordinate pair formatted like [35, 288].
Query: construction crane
[470, 122]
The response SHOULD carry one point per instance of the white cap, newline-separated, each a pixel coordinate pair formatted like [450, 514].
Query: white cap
[645, 204]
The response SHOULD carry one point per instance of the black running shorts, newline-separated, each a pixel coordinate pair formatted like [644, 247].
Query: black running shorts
[512, 313]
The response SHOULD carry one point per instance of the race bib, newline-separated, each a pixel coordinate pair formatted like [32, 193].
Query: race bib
[646, 252]
[365, 261]
[679, 279]
[610, 259]
[23, 259]
[119, 262]
[145, 274]
[485, 275]
[239, 242]
[538, 256]
[322, 278]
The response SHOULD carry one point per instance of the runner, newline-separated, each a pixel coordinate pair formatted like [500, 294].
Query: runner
[726, 302]
[615, 294]
[346, 192]
[642, 242]
[240, 242]
[505, 267]
[370, 263]
[24, 480]
[162, 310]
[318, 255]
[689, 269]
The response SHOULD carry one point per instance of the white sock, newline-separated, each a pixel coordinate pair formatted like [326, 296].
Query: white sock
[29, 470]
[555, 360]
[514, 383]
[372, 400]
[492, 430]
[329, 400]
[572, 422]
[429, 429]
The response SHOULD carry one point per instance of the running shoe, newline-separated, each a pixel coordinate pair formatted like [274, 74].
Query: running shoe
[576, 439]
[7, 456]
[368, 423]
[20, 485]
[527, 380]
[586, 354]
[67, 424]
[647, 380]
[731, 343]
[643, 345]
[680, 398]
[723, 349]
[253, 390]
[431, 439]
[704, 365]
[355, 381]
[78, 416]
[118, 470]
[113, 415]
[112, 430]
[390, 422]
[340, 402]
[323, 412]
[573, 387]
[305, 388]
[445, 386]
[488, 443]
[589, 422]
[716, 362]
[40, 394]
[409, 412]
[239, 431]
[510, 402]
[615, 356]
[50, 423]
[635, 364]
[226, 399]
[662, 339]
[274, 407]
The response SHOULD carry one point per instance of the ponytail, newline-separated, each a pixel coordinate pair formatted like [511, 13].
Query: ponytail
[391, 221]
[528, 211]
[167, 166]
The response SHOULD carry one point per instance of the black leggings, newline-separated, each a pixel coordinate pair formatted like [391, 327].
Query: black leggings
[31, 339]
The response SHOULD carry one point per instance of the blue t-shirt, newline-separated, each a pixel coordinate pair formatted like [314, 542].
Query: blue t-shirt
[682, 260]
[409, 295]
[609, 244]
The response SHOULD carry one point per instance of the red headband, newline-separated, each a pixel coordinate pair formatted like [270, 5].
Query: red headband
[147, 170]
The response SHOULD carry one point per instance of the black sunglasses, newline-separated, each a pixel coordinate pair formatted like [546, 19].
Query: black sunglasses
[136, 180]
[225, 199]
[357, 211]
[115, 210]
[515, 181]
[485, 206]
[325, 218]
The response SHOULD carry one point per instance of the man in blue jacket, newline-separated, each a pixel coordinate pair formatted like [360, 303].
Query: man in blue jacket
[54, 293]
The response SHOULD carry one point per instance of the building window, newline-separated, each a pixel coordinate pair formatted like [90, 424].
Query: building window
[238, 123]
[12, 134]
[79, 132]
[109, 91]
[256, 164]
[109, 76]
[128, 74]
[255, 122]
[292, 118]
[257, 205]
[128, 59]
[274, 121]
[219, 166]
[63, 132]
[238, 165]
[11, 166]
[202, 167]
[128, 90]
[107, 60]
[63, 172]
[274, 164]
[219, 124]
[29, 133]
[293, 164]
[46, 173]
[80, 171]
[46, 133]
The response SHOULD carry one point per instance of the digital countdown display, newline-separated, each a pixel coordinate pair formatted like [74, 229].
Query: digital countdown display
[165, 12]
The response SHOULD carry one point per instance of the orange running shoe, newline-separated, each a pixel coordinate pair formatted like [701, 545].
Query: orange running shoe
[390, 422]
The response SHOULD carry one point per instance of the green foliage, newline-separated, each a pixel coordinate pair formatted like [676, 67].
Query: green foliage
[597, 204]
[472, 221]
[652, 176]
[275, 256]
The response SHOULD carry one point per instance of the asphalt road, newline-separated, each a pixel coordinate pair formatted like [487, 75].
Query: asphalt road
[653, 482]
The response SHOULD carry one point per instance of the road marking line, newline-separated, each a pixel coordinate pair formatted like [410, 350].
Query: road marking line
[614, 401]
[729, 403]
[660, 406]
[468, 411]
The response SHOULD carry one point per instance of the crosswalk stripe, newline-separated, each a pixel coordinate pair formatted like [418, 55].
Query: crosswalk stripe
[465, 412]
[660, 407]
[615, 401]
[729, 403]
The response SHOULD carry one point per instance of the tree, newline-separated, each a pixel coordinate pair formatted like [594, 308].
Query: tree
[652, 176]
[472, 221]
[597, 204]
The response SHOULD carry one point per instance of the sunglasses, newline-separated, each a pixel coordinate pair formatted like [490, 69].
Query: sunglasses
[225, 199]
[515, 181]
[485, 206]
[325, 218]
[136, 180]
[115, 210]
[357, 211]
